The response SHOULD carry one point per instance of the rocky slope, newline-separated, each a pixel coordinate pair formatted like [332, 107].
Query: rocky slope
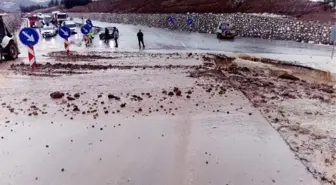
[288, 7]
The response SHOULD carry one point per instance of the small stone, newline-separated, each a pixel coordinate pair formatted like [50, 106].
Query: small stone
[76, 108]
[76, 95]
[47, 146]
[188, 96]
[178, 93]
[140, 110]
[62, 170]
[250, 113]
[206, 162]
[70, 98]
[123, 105]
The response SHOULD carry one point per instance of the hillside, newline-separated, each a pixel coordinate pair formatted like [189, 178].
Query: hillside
[297, 8]
[12, 5]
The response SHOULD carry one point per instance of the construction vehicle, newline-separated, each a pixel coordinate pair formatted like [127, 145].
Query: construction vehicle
[225, 30]
[8, 45]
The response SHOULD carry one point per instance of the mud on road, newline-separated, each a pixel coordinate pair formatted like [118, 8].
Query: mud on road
[299, 102]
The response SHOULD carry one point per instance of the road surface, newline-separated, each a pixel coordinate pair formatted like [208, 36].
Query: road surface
[207, 138]
[160, 40]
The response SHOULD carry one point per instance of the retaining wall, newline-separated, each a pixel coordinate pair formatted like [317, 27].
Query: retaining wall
[247, 25]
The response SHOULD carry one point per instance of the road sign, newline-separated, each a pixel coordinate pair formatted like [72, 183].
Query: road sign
[189, 21]
[66, 46]
[90, 25]
[64, 32]
[29, 36]
[85, 29]
[31, 57]
[170, 19]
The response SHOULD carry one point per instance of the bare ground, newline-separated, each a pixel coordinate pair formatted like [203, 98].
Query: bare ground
[299, 102]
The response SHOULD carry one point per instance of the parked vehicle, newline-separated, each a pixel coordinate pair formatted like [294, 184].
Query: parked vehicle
[225, 30]
[8, 45]
[71, 24]
[46, 19]
[60, 17]
[49, 30]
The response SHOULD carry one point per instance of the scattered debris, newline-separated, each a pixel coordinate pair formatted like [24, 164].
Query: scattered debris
[70, 98]
[111, 96]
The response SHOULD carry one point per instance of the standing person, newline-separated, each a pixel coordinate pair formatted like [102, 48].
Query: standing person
[107, 35]
[140, 39]
[115, 36]
[39, 25]
[90, 37]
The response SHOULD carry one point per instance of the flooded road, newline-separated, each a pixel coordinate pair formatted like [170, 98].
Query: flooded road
[159, 127]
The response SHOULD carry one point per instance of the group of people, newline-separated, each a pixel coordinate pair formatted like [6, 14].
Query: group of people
[115, 37]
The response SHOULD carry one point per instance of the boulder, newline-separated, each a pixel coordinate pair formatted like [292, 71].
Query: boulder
[57, 95]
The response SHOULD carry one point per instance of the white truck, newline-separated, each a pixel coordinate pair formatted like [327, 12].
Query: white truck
[60, 17]
[8, 45]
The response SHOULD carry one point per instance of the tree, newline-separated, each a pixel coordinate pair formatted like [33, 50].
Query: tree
[71, 3]
[30, 8]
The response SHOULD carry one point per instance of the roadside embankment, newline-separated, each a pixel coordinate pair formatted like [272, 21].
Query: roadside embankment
[247, 25]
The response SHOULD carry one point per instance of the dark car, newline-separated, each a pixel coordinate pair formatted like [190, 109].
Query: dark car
[102, 33]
